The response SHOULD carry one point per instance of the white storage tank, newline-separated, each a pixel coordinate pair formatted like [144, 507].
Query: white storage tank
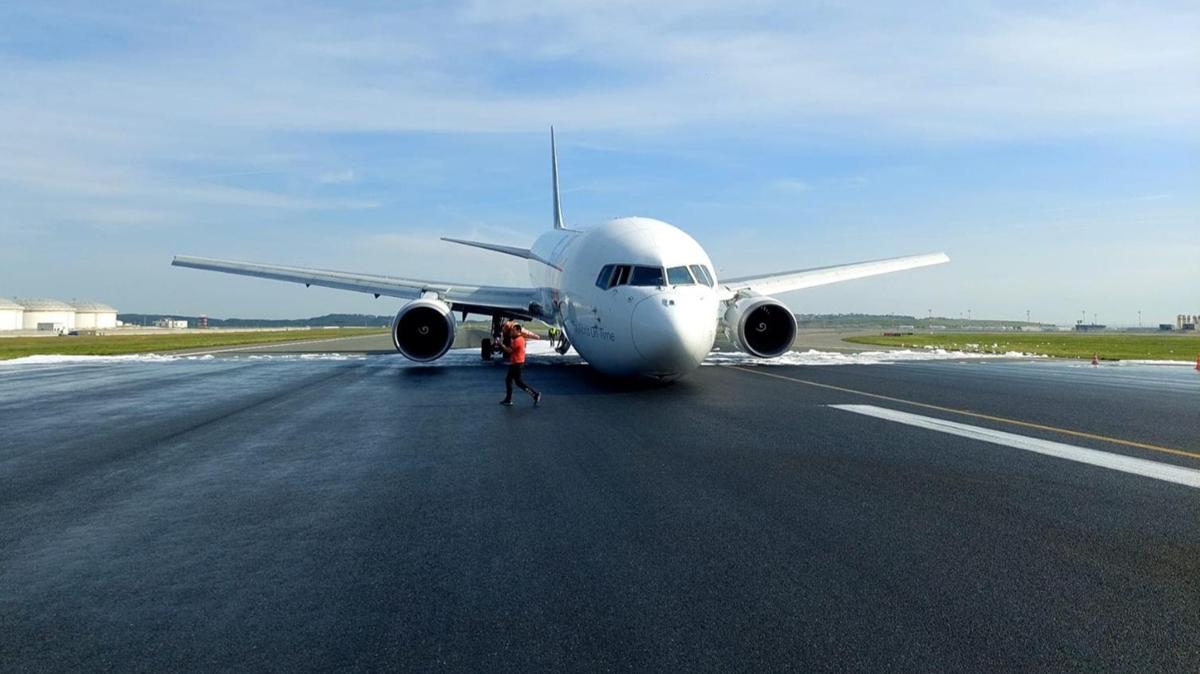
[94, 315]
[11, 315]
[43, 312]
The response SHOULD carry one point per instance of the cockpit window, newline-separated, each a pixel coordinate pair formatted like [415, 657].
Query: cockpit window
[647, 276]
[613, 275]
[679, 276]
[702, 275]
[604, 280]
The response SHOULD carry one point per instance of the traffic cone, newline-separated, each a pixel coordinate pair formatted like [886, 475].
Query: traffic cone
[1096, 359]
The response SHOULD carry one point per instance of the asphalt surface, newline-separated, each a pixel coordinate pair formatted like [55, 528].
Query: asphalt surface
[355, 512]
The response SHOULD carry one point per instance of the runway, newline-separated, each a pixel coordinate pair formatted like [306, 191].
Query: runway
[271, 510]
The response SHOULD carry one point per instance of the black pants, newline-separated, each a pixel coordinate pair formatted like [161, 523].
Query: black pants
[514, 375]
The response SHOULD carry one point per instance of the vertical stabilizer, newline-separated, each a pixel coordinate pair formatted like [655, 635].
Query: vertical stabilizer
[558, 219]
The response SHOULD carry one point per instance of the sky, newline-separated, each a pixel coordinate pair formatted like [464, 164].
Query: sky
[1051, 149]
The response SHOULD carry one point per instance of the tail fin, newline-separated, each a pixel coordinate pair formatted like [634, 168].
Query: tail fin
[558, 218]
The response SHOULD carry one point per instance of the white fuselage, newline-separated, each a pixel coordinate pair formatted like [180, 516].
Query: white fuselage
[637, 327]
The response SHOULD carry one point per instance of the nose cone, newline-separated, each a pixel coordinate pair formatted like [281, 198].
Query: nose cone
[673, 334]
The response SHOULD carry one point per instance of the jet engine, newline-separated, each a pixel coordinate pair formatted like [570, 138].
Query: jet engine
[423, 330]
[760, 326]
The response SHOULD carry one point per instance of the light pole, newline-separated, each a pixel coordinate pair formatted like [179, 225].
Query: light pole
[1139, 318]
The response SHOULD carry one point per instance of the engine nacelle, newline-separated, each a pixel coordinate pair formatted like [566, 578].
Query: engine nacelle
[760, 326]
[423, 330]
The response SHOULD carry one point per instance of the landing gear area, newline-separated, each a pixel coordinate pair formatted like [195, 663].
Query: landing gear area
[489, 347]
[558, 340]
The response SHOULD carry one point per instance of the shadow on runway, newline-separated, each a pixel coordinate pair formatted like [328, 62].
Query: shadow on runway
[555, 379]
[591, 381]
[427, 371]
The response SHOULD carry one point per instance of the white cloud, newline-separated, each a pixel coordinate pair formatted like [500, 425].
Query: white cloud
[925, 71]
[225, 112]
[789, 185]
[336, 177]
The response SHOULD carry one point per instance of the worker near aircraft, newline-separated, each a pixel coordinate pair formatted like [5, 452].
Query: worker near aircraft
[515, 348]
[508, 329]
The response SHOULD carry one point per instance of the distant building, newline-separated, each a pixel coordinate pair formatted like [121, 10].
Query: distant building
[1182, 321]
[172, 323]
[46, 314]
[1089, 327]
[94, 316]
[11, 315]
[1166, 327]
[202, 322]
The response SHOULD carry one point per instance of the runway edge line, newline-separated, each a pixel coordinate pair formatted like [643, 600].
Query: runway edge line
[978, 415]
[1166, 472]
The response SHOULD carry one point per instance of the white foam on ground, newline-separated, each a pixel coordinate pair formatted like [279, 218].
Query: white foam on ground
[814, 357]
[299, 356]
[171, 358]
[128, 358]
[543, 353]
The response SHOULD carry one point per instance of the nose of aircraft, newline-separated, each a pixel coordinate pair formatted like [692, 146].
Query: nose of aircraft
[673, 333]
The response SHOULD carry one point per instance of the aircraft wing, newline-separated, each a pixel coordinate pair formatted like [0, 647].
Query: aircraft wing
[462, 297]
[769, 284]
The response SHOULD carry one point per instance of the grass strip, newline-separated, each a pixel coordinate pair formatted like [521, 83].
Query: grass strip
[112, 345]
[1059, 345]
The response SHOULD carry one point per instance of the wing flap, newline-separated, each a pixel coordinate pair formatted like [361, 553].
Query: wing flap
[781, 282]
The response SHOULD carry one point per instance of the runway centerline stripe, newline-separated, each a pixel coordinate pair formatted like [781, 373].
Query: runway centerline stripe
[978, 415]
[1127, 464]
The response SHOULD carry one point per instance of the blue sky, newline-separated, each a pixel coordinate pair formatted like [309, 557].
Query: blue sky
[1051, 149]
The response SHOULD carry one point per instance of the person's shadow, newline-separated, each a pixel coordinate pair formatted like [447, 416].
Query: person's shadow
[556, 379]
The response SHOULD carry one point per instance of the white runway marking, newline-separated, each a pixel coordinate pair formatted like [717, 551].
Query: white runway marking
[1128, 464]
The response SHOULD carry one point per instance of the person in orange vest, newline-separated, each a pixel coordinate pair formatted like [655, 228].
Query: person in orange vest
[508, 329]
[516, 363]
[512, 327]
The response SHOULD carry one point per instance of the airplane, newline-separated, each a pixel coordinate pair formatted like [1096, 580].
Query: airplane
[635, 296]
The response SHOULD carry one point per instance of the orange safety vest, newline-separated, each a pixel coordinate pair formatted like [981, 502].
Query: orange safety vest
[518, 350]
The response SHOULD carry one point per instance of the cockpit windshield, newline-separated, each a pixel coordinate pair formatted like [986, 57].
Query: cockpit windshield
[647, 276]
[702, 275]
[679, 276]
[613, 275]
